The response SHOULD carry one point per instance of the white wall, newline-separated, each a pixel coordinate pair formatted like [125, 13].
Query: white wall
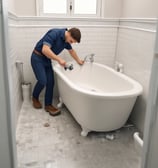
[11, 6]
[140, 8]
[135, 51]
[15, 75]
[112, 8]
[22, 7]
[25, 7]
[136, 47]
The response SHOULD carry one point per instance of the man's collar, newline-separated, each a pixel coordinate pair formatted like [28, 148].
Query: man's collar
[63, 33]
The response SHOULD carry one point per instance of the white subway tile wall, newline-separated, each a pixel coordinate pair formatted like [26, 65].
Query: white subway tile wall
[135, 51]
[16, 80]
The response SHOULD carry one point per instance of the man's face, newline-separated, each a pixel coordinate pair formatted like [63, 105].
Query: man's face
[69, 39]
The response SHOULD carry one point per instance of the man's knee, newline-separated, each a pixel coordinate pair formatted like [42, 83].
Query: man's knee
[43, 82]
[51, 80]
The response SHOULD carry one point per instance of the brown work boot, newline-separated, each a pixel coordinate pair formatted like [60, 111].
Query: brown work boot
[36, 103]
[52, 110]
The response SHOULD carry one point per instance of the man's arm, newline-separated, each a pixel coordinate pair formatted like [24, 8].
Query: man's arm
[50, 54]
[74, 55]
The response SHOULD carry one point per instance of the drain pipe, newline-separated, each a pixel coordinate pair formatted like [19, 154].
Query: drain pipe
[26, 86]
[19, 66]
[138, 143]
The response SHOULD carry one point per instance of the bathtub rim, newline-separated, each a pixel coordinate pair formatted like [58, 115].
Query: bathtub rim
[135, 91]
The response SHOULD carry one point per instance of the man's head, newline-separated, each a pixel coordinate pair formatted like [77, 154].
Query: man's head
[73, 35]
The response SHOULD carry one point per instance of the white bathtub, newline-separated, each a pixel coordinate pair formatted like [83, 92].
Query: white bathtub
[99, 98]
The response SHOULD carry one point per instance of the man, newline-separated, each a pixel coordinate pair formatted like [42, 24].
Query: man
[53, 42]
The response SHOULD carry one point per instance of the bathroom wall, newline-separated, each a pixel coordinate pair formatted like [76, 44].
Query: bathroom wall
[16, 80]
[140, 8]
[11, 6]
[22, 7]
[135, 48]
[25, 7]
[111, 8]
[135, 51]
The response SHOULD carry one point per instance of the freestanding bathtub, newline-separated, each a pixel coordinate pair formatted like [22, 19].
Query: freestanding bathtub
[99, 98]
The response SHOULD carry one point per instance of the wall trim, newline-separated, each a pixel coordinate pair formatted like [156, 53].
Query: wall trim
[48, 26]
[49, 18]
[12, 16]
[83, 26]
[82, 22]
[139, 20]
[136, 28]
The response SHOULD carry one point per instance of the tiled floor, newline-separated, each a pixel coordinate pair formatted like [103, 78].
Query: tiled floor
[61, 146]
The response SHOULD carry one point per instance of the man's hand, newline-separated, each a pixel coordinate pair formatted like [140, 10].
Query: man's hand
[61, 62]
[80, 62]
[74, 55]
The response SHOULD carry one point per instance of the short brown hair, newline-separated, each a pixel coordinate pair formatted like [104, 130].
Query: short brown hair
[75, 33]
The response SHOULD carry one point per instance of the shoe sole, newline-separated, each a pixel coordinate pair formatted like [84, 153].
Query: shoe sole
[37, 107]
[55, 114]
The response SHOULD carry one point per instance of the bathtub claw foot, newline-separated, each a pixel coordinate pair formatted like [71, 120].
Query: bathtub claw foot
[60, 104]
[84, 132]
